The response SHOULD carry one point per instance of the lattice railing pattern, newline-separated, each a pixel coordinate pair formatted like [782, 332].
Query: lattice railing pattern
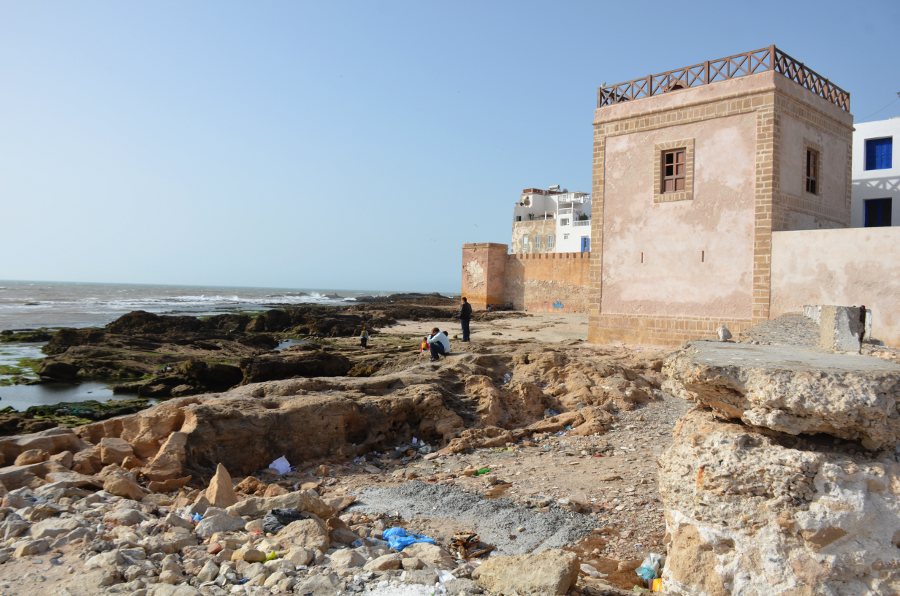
[722, 69]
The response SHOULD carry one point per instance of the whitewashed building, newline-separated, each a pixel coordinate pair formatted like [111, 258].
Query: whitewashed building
[875, 195]
[551, 220]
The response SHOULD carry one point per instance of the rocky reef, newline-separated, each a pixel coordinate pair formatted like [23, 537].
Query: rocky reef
[785, 478]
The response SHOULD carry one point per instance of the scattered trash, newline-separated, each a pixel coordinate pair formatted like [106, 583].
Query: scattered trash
[550, 412]
[467, 545]
[197, 517]
[482, 471]
[445, 576]
[656, 586]
[506, 376]
[276, 519]
[649, 569]
[271, 556]
[280, 465]
[398, 538]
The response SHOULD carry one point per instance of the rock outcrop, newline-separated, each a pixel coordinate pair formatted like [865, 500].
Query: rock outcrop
[792, 390]
[759, 498]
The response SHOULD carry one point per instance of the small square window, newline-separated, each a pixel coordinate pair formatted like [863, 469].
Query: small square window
[812, 171]
[564, 221]
[673, 170]
[565, 236]
[879, 153]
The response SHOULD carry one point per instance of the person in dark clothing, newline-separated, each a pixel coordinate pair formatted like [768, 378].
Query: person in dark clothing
[465, 315]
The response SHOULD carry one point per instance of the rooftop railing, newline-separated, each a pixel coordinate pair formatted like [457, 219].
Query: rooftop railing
[723, 69]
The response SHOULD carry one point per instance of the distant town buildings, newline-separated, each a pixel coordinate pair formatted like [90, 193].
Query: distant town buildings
[876, 175]
[551, 221]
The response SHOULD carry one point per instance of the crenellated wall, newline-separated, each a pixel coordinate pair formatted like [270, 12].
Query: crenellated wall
[549, 282]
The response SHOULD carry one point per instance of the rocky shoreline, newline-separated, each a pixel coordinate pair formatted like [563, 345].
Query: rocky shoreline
[159, 357]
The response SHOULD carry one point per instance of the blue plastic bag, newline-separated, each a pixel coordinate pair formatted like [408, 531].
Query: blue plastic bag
[398, 538]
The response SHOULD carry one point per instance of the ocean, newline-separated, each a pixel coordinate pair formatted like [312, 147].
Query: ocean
[33, 304]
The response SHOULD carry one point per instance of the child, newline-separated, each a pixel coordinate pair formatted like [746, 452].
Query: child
[364, 337]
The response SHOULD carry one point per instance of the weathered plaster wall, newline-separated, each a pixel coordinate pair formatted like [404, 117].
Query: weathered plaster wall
[532, 228]
[552, 282]
[484, 273]
[691, 257]
[805, 120]
[847, 267]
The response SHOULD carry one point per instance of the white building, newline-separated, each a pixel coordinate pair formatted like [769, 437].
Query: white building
[551, 220]
[875, 195]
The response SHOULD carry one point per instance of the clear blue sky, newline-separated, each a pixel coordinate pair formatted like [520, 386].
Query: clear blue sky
[340, 144]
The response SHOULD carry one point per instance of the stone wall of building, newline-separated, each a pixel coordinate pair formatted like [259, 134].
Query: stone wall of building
[674, 266]
[849, 267]
[552, 282]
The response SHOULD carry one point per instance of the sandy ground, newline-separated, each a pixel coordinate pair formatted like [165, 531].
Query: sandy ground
[544, 327]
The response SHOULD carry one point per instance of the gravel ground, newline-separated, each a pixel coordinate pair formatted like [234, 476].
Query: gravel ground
[512, 529]
[791, 329]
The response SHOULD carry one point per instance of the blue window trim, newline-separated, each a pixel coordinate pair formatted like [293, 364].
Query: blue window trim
[879, 153]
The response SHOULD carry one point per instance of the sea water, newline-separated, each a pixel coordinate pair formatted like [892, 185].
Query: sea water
[30, 305]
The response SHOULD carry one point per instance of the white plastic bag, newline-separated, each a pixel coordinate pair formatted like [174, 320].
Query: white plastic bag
[280, 465]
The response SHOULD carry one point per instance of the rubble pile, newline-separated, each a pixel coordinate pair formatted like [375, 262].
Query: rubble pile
[148, 502]
[785, 479]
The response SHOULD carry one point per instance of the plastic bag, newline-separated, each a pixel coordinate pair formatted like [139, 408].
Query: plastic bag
[280, 465]
[649, 569]
[398, 538]
[276, 519]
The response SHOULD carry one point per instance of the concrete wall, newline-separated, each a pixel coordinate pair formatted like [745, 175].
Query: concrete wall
[848, 267]
[875, 184]
[552, 282]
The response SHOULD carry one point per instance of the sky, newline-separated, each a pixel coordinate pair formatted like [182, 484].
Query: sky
[339, 144]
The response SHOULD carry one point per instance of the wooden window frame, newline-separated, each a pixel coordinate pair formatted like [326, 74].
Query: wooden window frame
[812, 169]
[682, 182]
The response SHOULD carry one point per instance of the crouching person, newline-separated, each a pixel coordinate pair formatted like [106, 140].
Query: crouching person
[438, 343]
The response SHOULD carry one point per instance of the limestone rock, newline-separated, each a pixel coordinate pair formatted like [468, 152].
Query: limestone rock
[548, 572]
[54, 526]
[168, 461]
[31, 456]
[305, 501]
[114, 450]
[723, 333]
[792, 390]
[305, 533]
[32, 547]
[746, 513]
[384, 563]
[346, 558]
[123, 486]
[220, 492]
[430, 554]
[299, 555]
[167, 486]
[208, 573]
[222, 522]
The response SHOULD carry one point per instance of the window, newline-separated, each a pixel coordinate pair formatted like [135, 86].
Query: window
[551, 240]
[878, 153]
[564, 221]
[524, 243]
[565, 236]
[877, 213]
[673, 170]
[537, 243]
[812, 171]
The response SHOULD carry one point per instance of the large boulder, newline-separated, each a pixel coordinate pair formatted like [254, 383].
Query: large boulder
[540, 574]
[792, 390]
[749, 512]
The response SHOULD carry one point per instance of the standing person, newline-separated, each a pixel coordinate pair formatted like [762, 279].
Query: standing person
[465, 314]
[438, 343]
[364, 337]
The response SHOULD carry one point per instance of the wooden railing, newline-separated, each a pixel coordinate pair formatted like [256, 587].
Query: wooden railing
[722, 69]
